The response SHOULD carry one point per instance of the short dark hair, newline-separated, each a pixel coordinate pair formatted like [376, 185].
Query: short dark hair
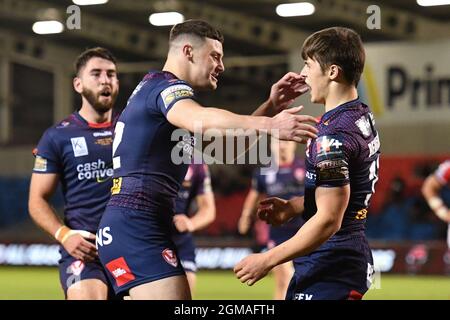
[340, 46]
[199, 28]
[88, 54]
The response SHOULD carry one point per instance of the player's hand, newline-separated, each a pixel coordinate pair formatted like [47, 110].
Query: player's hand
[287, 125]
[183, 223]
[253, 268]
[244, 224]
[275, 211]
[286, 90]
[78, 246]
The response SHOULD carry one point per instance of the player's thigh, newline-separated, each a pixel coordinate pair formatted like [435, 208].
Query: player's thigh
[140, 249]
[171, 288]
[88, 289]
[192, 280]
[284, 271]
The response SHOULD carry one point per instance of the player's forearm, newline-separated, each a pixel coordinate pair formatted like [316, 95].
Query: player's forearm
[297, 204]
[212, 118]
[311, 235]
[44, 215]
[203, 218]
[266, 109]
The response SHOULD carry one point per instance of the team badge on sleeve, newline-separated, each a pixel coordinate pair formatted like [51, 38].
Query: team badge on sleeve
[331, 161]
[40, 164]
[176, 92]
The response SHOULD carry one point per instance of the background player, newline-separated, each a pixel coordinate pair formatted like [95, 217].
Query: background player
[77, 152]
[141, 255]
[196, 187]
[332, 256]
[431, 189]
[286, 182]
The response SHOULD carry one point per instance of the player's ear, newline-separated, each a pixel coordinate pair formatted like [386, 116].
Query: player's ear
[188, 51]
[77, 85]
[334, 72]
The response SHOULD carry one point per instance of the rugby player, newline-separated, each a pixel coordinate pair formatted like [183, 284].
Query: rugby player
[141, 255]
[332, 258]
[77, 153]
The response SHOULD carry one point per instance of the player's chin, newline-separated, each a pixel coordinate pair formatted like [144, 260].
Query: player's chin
[213, 81]
[103, 106]
[212, 85]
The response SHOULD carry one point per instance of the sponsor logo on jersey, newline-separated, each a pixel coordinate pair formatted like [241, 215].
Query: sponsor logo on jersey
[40, 164]
[94, 170]
[271, 177]
[77, 267]
[303, 296]
[361, 214]
[102, 134]
[79, 146]
[120, 271]
[104, 141]
[332, 170]
[63, 124]
[175, 92]
[326, 144]
[117, 185]
[170, 257]
[311, 176]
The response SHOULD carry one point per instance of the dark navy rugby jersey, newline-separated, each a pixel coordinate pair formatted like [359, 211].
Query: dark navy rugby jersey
[81, 154]
[285, 182]
[346, 151]
[196, 182]
[148, 169]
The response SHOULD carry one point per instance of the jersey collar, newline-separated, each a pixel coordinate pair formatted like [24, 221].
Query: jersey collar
[90, 124]
[327, 115]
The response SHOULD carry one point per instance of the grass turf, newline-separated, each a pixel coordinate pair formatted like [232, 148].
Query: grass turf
[21, 283]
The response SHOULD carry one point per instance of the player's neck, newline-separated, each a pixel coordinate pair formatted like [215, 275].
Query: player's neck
[339, 94]
[90, 115]
[173, 67]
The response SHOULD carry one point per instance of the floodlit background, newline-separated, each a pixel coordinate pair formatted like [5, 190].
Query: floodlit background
[406, 82]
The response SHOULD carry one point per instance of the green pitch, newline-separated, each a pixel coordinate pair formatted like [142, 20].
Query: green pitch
[43, 283]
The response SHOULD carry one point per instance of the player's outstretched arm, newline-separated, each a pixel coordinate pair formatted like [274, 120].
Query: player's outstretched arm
[431, 191]
[282, 94]
[42, 187]
[286, 125]
[331, 205]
